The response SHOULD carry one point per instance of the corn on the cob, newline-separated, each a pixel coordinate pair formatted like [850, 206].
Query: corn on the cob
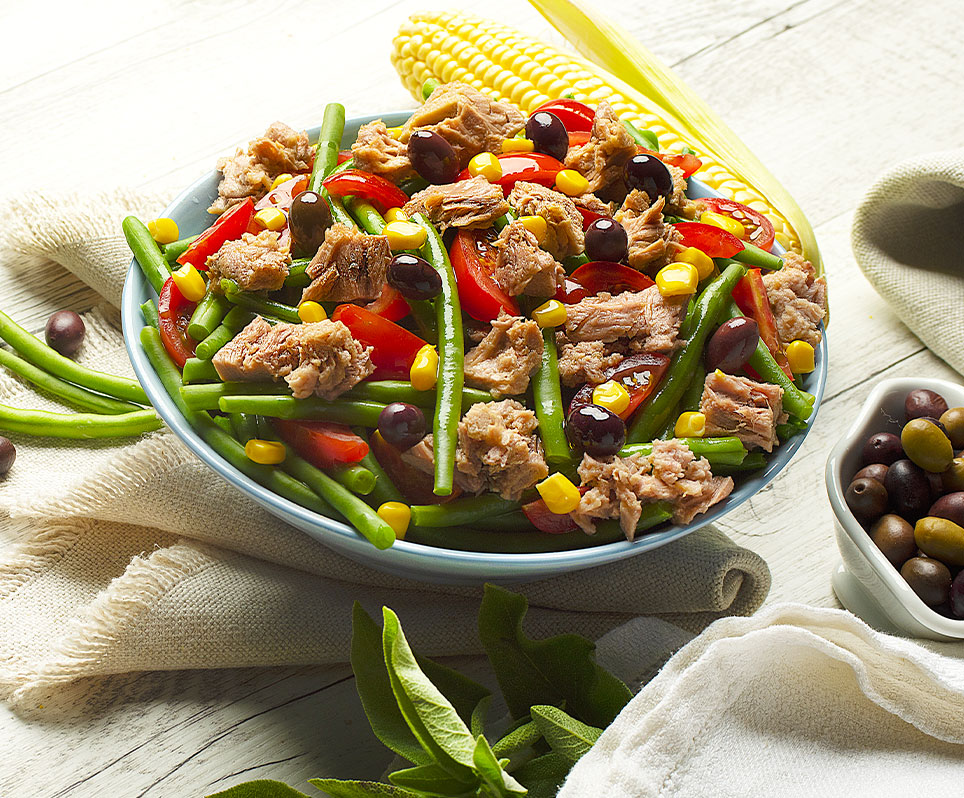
[510, 66]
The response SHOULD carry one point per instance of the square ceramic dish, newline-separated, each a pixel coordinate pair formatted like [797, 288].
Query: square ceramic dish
[408, 559]
[866, 583]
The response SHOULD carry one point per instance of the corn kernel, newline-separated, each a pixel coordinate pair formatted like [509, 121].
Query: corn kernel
[724, 223]
[559, 494]
[395, 132]
[535, 225]
[271, 218]
[163, 230]
[486, 165]
[611, 395]
[550, 314]
[571, 183]
[280, 179]
[696, 257]
[265, 452]
[397, 516]
[190, 283]
[396, 215]
[690, 425]
[405, 235]
[517, 145]
[310, 311]
[677, 279]
[800, 356]
[424, 371]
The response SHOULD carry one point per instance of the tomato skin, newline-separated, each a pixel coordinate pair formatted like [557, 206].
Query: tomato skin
[750, 295]
[389, 305]
[229, 226]
[344, 155]
[577, 138]
[533, 167]
[604, 275]
[639, 374]
[572, 113]
[414, 485]
[393, 347]
[473, 261]
[321, 443]
[588, 217]
[371, 188]
[759, 228]
[714, 241]
[689, 163]
[571, 292]
[174, 313]
[543, 519]
[282, 197]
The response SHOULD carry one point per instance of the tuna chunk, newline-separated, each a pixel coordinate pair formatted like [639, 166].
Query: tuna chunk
[652, 242]
[499, 449]
[585, 361]
[468, 203]
[523, 267]
[620, 486]
[601, 160]
[650, 320]
[564, 236]
[250, 173]
[678, 203]
[377, 152]
[798, 299]
[744, 408]
[320, 358]
[505, 359]
[472, 122]
[348, 266]
[591, 202]
[255, 263]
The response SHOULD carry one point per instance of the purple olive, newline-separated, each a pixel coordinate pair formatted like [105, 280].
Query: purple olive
[876, 471]
[413, 277]
[595, 430]
[923, 402]
[908, 490]
[950, 507]
[867, 499]
[548, 134]
[308, 220]
[732, 344]
[957, 595]
[402, 425]
[65, 332]
[433, 157]
[650, 175]
[8, 453]
[883, 447]
[606, 239]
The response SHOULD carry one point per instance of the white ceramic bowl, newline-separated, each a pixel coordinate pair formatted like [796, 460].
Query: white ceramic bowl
[866, 583]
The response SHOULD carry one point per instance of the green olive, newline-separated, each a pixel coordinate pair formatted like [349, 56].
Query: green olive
[952, 480]
[953, 421]
[941, 539]
[926, 445]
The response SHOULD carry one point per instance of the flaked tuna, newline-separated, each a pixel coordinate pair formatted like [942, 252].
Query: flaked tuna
[602, 160]
[523, 267]
[348, 266]
[742, 407]
[467, 203]
[564, 236]
[376, 151]
[255, 263]
[652, 242]
[798, 299]
[506, 358]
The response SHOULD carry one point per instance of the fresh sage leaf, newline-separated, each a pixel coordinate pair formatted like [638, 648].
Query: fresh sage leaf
[479, 714]
[462, 692]
[567, 736]
[260, 788]
[491, 772]
[551, 671]
[544, 775]
[337, 788]
[432, 779]
[523, 737]
[375, 689]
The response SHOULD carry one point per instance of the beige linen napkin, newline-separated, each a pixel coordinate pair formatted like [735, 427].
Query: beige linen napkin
[137, 557]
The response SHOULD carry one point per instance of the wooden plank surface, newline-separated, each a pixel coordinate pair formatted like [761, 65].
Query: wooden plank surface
[148, 94]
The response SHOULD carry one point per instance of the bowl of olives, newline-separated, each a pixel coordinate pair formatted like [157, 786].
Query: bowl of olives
[896, 486]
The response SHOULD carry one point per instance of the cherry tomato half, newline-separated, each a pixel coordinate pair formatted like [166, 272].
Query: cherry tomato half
[603, 275]
[473, 261]
[533, 167]
[322, 443]
[543, 519]
[572, 113]
[714, 241]
[416, 486]
[639, 374]
[758, 228]
[689, 163]
[750, 295]
[577, 138]
[372, 188]
[588, 217]
[174, 313]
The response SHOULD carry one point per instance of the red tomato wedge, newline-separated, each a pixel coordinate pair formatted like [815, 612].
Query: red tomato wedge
[416, 486]
[688, 163]
[639, 375]
[343, 155]
[577, 138]
[758, 228]
[174, 313]
[714, 241]
[371, 188]
[322, 443]
[473, 261]
[389, 305]
[282, 197]
[750, 295]
[229, 227]
[603, 275]
[571, 292]
[588, 217]
[572, 113]
[533, 167]
[543, 519]
[393, 347]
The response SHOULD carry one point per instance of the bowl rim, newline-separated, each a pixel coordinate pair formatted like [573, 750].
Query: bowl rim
[835, 491]
[403, 552]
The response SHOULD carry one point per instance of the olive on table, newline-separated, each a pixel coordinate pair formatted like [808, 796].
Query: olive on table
[402, 425]
[895, 538]
[549, 135]
[957, 595]
[413, 277]
[908, 489]
[876, 471]
[941, 539]
[65, 332]
[8, 453]
[949, 506]
[866, 498]
[953, 421]
[924, 402]
[595, 430]
[928, 578]
[732, 344]
[926, 445]
[606, 239]
[308, 220]
[433, 157]
[953, 478]
[650, 175]
[882, 447]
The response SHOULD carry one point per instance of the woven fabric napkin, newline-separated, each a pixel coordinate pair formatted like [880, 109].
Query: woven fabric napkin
[137, 557]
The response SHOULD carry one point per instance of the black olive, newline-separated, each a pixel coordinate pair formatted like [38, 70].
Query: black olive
[413, 277]
[883, 447]
[650, 175]
[548, 134]
[867, 499]
[930, 579]
[957, 595]
[606, 239]
[597, 431]
[308, 220]
[908, 490]
[924, 402]
[433, 157]
[402, 425]
[65, 332]
[8, 453]
[732, 344]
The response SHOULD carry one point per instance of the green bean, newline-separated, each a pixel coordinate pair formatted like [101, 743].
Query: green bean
[505, 220]
[297, 274]
[752, 462]
[149, 312]
[791, 428]
[208, 314]
[644, 138]
[459, 512]
[214, 342]
[413, 185]
[329, 140]
[343, 167]
[754, 256]
[451, 373]
[177, 248]
[515, 521]
[206, 396]
[669, 428]
[340, 411]
[244, 426]
[63, 390]
[146, 252]
[690, 403]
[430, 85]
[388, 391]
[652, 515]
[338, 213]
[356, 477]
[41, 355]
[710, 304]
[573, 262]
[547, 398]
[224, 423]
[384, 490]
[259, 304]
[718, 451]
[197, 370]
[83, 426]
[367, 216]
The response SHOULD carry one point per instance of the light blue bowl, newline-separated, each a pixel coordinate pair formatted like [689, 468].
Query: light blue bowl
[412, 560]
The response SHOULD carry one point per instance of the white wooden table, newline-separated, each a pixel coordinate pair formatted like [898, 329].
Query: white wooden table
[114, 92]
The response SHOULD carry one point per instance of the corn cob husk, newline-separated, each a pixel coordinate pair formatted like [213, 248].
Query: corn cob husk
[508, 65]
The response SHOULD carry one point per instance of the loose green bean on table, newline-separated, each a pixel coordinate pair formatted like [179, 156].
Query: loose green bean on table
[80, 426]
